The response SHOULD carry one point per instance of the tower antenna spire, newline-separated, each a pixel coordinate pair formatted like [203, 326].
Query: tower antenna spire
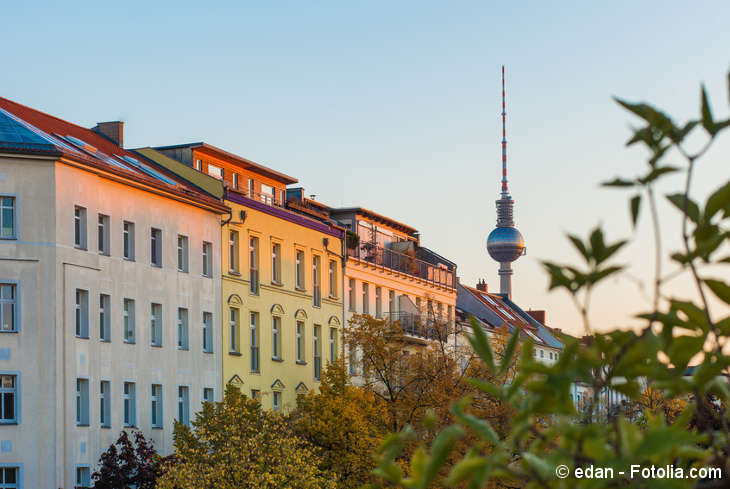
[505, 191]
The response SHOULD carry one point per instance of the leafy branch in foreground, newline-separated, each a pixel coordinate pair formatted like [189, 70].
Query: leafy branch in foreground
[670, 415]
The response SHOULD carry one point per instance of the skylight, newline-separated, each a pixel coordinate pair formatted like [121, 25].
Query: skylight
[93, 151]
[148, 170]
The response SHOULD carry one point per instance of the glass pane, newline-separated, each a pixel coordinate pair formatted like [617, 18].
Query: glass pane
[8, 405]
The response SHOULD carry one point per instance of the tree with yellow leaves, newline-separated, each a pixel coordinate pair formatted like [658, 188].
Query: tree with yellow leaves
[345, 425]
[234, 444]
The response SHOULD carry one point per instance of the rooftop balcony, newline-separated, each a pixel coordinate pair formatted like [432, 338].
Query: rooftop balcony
[404, 263]
[427, 327]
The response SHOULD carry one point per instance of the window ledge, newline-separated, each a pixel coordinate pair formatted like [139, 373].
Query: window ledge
[300, 362]
[86, 425]
[130, 342]
[206, 275]
[101, 340]
[157, 427]
[233, 272]
[104, 253]
[182, 271]
[333, 297]
[155, 265]
[126, 258]
[81, 337]
[209, 352]
[9, 238]
[82, 248]
[278, 284]
[9, 423]
[181, 348]
[155, 346]
[317, 306]
[105, 427]
[300, 289]
[255, 373]
[235, 353]
[277, 359]
[9, 331]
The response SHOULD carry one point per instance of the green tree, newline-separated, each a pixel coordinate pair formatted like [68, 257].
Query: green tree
[546, 431]
[345, 424]
[234, 444]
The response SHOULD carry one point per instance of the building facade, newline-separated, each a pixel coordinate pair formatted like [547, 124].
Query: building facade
[281, 278]
[109, 276]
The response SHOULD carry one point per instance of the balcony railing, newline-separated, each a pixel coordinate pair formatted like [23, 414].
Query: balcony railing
[267, 199]
[403, 263]
[416, 324]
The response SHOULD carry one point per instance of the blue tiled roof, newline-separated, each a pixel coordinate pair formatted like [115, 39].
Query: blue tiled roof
[14, 133]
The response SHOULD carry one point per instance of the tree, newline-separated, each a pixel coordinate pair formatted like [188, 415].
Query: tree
[344, 424]
[546, 430]
[234, 444]
[127, 464]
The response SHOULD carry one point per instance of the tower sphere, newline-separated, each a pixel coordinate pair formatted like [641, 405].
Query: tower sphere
[505, 244]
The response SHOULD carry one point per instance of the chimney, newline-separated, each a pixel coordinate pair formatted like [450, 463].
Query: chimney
[113, 131]
[482, 286]
[538, 316]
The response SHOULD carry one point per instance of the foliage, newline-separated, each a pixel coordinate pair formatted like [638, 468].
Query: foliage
[344, 423]
[128, 464]
[683, 421]
[235, 444]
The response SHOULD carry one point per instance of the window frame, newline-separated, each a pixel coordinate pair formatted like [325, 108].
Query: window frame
[14, 215]
[16, 391]
[183, 402]
[316, 280]
[78, 484]
[207, 266]
[105, 307]
[80, 228]
[300, 283]
[317, 351]
[276, 263]
[128, 240]
[129, 320]
[333, 345]
[352, 295]
[254, 326]
[83, 404]
[254, 250]
[156, 247]
[129, 399]
[207, 338]
[183, 253]
[276, 333]
[333, 278]
[103, 234]
[234, 331]
[183, 329]
[233, 252]
[207, 388]
[81, 314]
[300, 342]
[105, 403]
[365, 298]
[157, 406]
[14, 303]
[156, 324]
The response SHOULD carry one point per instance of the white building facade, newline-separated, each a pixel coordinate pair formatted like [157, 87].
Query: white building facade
[110, 303]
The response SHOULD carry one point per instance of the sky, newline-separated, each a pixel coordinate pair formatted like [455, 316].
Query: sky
[395, 106]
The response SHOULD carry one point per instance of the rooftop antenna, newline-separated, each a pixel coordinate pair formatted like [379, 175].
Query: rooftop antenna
[505, 192]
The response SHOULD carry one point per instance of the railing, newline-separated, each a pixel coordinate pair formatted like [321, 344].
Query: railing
[414, 324]
[403, 263]
[267, 199]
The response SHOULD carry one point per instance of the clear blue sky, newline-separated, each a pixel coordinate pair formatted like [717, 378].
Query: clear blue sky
[395, 106]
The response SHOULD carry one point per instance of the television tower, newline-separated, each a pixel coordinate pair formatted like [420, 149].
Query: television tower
[505, 244]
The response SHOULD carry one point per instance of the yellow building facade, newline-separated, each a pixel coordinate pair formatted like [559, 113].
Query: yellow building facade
[281, 273]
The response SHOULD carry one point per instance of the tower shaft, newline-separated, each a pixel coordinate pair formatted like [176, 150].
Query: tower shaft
[505, 278]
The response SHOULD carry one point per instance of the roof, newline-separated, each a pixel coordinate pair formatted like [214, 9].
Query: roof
[376, 217]
[235, 159]
[24, 130]
[543, 331]
[204, 182]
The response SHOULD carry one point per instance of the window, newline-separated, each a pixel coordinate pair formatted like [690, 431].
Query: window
[333, 278]
[233, 251]
[81, 311]
[9, 478]
[276, 263]
[316, 291]
[80, 227]
[235, 181]
[391, 302]
[215, 171]
[82, 402]
[300, 341]
[351, 298]
[199, 165]
[128, 240]
[300, 269]
[235, 340]
[333, 345]
[8, 307]
[542, 354]
[283, 198]
[105, 405]
[365, 298]
[8, 398]
[182, 329]
[551, 355]
[83, 477]
[250, 188]
[7, 218]
[182, 253]
[276, 337]
[156, 247]
[317, 353]
[104, 318]
[103, 228]
[277, 400]
[156, 406]
[253, 260]
[208, 394]
[128, 321]
[207, 259]
[254, 342]
[378, 302]
[130, 404]
[208, 332]
[255, 394]
[183, 405]
[156, 324]
[267, 194]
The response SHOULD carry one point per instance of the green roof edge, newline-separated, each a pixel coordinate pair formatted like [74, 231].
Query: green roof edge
[206, 183]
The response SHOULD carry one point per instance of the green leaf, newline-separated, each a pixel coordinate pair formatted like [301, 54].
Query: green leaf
[440, 450]
[720, 289]
[481, 427]
[707, 121]
[679, 201]
[635, 205]
[480, 343]
[578, 244]
[465, 469]
[509, 350]
[720, 199]
[541, 466]
[657, 172]
[618, 182]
